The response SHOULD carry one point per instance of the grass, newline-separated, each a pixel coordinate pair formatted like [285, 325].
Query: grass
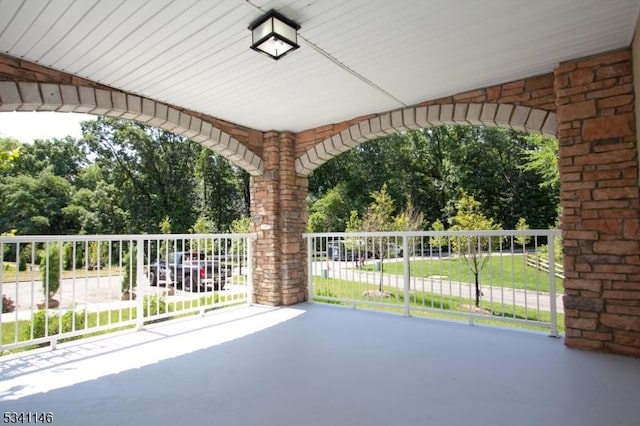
[157, 306]
[11, 275]
[509, 271]
[354, 292]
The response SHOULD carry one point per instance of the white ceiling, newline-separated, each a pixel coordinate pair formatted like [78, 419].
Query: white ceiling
[357, 56]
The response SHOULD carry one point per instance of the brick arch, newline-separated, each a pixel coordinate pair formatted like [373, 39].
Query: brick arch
[30, 96]
[504, 115]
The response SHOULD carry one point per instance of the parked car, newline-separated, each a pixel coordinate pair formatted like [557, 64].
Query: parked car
[336, 250]
[339, 250]
[427, 250]
[189, 271]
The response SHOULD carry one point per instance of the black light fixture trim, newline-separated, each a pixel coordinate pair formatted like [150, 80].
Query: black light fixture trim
[272, 29]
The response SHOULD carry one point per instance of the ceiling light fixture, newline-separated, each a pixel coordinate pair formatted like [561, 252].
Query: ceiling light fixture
[274, 35]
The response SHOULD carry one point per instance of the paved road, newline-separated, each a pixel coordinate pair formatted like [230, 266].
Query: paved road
[84, 291]
[440, 285]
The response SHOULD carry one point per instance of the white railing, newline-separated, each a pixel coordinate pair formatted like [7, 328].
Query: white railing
[432, 273]
[102, 283]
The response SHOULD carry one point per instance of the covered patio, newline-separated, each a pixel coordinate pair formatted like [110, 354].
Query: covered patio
[566, 68]
[316, 365]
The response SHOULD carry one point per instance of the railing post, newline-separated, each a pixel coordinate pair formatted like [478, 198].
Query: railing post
[140, 283]
[250, 263]
[309, 268]
[553, 323]
[406, 275]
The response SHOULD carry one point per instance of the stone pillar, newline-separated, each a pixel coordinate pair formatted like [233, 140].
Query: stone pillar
[279, 217]
[600, 203]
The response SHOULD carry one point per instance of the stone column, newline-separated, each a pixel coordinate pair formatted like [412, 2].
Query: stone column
[600, 203]
[279, 217]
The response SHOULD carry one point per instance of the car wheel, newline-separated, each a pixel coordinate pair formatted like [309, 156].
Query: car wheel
[153, 280]
[219, 285]
[193, 284]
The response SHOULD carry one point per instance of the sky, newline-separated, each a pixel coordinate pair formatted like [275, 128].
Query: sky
[27, 126]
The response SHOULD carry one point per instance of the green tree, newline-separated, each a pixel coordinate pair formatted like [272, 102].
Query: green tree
[379, 217]
[522, 225]
[330, 213]
[34, 205]
[221, 189]
[431, 168]
[96, 204]
[153, 172]
[64, 157]
[166, 246]
[203, 226]
[473, 249]
[9, 153]
[542, 158]
[437, 240]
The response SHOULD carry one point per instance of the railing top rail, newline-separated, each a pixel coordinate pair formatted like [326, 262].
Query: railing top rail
[487, 233]
[121, 237]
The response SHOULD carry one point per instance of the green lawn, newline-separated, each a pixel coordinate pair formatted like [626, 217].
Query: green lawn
[354, 291]
[505, 271]
[10, 275]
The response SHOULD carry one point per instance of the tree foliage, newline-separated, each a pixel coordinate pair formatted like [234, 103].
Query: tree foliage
[473, 249]
[542, 158]
[122, 177]
[430, 169]
[9, 152]
[125, 177]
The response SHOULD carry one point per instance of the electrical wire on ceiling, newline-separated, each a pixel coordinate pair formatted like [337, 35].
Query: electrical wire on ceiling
[337, 62]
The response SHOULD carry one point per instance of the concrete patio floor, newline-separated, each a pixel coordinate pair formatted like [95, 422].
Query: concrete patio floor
[321, 365]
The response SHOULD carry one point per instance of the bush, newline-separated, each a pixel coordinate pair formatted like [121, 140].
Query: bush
[68, 260]
[130, 270]
[154, 305]
[7, 304]
[71, 321]
[25, 257]
[50, 267]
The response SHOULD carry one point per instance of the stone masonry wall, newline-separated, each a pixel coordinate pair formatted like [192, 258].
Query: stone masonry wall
[600, 200]
[278, 210]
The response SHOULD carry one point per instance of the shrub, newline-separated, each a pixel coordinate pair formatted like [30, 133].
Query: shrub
[71, 321]
[130, 270]
[7, 304]
[25, 257]
[50, 267]
[69, 249]
[154, 305]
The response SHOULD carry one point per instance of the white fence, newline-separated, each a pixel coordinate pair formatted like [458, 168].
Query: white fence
[541, 263]
[62, 287]
[435, 274]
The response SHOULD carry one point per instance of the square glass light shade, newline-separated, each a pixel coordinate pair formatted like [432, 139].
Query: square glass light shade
[274, 35]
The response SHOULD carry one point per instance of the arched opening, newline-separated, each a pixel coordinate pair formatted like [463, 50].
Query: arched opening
[439, 179]
[30, 96]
